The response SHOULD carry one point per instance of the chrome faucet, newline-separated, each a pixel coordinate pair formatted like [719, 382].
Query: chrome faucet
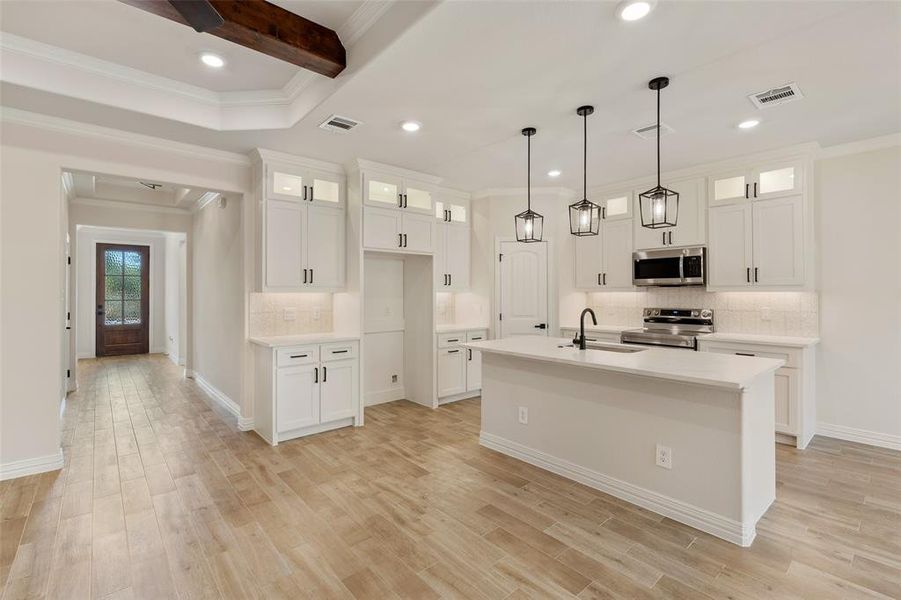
[594, 320]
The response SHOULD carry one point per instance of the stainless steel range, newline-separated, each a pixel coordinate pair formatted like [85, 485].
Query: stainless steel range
[673, 327]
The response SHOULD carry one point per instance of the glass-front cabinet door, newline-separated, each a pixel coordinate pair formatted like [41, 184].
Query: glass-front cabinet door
[325, 189]
[450, 212]
[777, 180]
[729, 187]
[417, 197]
[286, 184]
[616, 206]
[384, 191]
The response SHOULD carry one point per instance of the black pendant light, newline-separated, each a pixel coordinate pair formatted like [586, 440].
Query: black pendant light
[584, 215]
[659, 206]
[529, 224]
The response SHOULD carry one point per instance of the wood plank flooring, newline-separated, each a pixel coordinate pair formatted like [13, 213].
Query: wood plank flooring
[161, 498]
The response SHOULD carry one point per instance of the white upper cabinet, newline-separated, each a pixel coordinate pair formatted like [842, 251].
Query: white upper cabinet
[418, 232]
[603, 262]
[382, 229]
[690, 228]
[589, 260]
[384, 190]
[729, 251]
[302, 224]
[778, 242]
[452, 256]
[418, 197]
[616, 205]
[729, 187]
[760, 182]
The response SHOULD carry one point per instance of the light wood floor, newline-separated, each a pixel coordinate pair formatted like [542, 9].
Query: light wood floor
[161, 498]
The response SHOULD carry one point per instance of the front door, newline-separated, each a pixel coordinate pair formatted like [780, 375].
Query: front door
[523, 289]
[123, 308]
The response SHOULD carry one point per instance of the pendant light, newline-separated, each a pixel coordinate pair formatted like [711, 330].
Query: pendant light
[529, 224]
[584, 215]
[659, 206]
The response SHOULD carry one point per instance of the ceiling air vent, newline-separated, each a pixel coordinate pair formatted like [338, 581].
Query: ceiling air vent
[338, 124]
[649, 132]
[776, 96]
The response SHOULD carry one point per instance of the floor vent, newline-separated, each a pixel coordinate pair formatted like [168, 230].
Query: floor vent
[776, 96]
[649, 132]
[338, 124]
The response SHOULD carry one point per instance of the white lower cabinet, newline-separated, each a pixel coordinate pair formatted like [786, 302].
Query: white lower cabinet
[459, 369]
[306, 389]
[795, 406]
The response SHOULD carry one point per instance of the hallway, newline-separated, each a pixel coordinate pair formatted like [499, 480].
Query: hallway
[161, 498]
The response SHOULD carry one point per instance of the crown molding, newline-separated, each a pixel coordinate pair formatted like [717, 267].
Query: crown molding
[369, 165]
[867, 145]
[521, 191]
[49, 123]
[273, 156]
[135, 206]
[361, 20]
[455, 193]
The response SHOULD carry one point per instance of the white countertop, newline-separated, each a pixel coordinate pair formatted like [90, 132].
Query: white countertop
[602, 328]
[703, 368]
[459, 327]
[769, 340]
[279, 341]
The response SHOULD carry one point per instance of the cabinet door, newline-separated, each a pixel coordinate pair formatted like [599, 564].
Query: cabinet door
[617, 243]
[729, 187]
[788, 394]
[691, 225]
[615, 206]
[729, 250]
[418, 197]
[284, 244]
[440, 261]
[326, 189]
[588, 254]
[778, 242]
[381, 228]
[338, 392]
[382, 190]
[286, 183]
[778, 180]
[473, 370]
[297, 397]
[451, 371]
[419, 232]
[647, 238]
[325, 247]
[456, 251]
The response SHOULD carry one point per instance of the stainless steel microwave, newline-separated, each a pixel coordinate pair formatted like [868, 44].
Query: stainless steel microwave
[670, 266]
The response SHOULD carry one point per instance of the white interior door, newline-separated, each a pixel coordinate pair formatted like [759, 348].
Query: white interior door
[522, 289]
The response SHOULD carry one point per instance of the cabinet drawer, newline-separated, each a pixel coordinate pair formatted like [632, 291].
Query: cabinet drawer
[476, 335]
[288, 357]
[338, 351]
[448, 340]
[791, 356]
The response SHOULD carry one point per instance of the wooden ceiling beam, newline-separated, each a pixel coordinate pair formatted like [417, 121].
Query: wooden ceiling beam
[270, 29]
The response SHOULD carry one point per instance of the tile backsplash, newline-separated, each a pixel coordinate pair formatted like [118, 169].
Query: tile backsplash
[312, 313]
[445, 308]
[762, 313]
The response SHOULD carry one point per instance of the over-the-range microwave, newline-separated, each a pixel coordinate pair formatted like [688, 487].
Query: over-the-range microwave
[670, 266]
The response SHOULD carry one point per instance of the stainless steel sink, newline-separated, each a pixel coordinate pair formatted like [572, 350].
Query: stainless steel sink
[605, 347]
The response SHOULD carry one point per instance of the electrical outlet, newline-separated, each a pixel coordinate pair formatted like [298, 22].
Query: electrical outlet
[523, 415]
[316, 314]
[290, 314]
[765, 313]
[664, 457]
[394, 379]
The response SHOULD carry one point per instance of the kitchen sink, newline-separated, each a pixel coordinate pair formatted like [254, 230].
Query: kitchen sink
[605, 347]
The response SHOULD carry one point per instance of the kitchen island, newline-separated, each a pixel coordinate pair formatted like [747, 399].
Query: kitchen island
[605, 417]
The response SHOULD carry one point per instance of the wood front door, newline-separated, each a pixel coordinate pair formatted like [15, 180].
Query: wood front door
[123, 306]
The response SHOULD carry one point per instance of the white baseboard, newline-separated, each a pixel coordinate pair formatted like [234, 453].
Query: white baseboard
[81, 355]
[172, 358]
[244, 423]
[31, 466]
[158, 350]
[689, 514]
[862, 436]
[458, 397]
[373, 398]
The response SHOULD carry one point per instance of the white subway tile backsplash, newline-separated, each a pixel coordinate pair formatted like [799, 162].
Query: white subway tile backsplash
[267, 314]
[790, 313]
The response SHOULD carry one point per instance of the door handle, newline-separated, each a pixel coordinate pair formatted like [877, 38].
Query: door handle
[324, 374]
[603, 212]
[450, 279]
[744, 354]
[541, 326]
[315, 374]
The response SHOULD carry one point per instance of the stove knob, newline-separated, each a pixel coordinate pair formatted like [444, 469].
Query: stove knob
[695, 313]
[647, 312]
[706, 314]
[656, 312]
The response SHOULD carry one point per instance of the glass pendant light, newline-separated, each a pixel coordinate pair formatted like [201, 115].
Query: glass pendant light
[659, 206]
[529, 224]
[584, 215]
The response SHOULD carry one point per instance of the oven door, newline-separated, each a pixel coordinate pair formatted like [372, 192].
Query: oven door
[657, 267]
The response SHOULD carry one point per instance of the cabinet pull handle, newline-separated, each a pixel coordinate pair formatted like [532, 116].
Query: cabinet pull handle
[755, 189]
[476, 338]
[755, 275]
[670, 237]
[599, 279]
[324, 374]
[745, 354]
[450, 279]
[400, 200]
[404, 201]
[315, 374]
[453, 351]
[605, 279]
[311, 275]
[400, 240]
[746, 189]
[453, 340]
[664, 238]
[748, 274]
[603, 212]
[304, 275]
[470, 353]
[405, 235]
[299, 355]
[312, 194]
[304, 192]
[339, 351]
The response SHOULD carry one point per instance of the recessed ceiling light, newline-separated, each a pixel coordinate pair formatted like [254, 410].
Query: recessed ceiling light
[553, 173]
[749, 124]
[632, 10]
[212, 60]
[410, 126]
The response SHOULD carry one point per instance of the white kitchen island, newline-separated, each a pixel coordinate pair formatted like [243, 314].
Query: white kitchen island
[597, 416]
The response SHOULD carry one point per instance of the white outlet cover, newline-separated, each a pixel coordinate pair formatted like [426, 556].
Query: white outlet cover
[523, 415]
[664, 457]
[290, 314]
[316, 314]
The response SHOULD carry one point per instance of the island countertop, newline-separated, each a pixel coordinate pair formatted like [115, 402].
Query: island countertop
[685, 366]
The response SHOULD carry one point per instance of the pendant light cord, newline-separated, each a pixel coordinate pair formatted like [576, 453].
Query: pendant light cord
[529, 172]
[658, 137]
[585, 156]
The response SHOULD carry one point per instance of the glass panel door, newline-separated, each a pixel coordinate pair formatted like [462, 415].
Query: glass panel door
[778, 180]
[616, 206]
[418, 199]
[729, 187]
[122, 299]
[383, 191]
[327, 191]
[457, 213]
[287, 186]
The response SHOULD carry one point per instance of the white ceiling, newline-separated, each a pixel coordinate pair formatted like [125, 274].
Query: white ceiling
[96, 186]
[475, 73]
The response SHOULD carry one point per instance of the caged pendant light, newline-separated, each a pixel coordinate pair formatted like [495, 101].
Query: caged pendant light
[584, 215]
[659, 206]
[529, 224]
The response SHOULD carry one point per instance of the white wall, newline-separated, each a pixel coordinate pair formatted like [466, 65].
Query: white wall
[383, 328]
[859, 357]
[35, 151]
[219, 298]
[85, 264]
[175, 297]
